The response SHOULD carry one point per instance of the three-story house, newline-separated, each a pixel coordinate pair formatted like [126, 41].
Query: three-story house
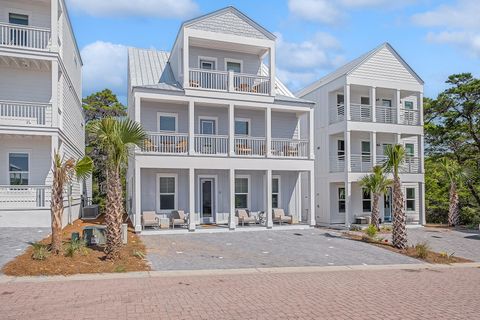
[224, 134]
[374, 101]
[40, 109]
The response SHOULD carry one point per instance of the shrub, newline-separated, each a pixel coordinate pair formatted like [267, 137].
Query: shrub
[386, 228]
[470, 216]
[75, 246]
[422, 249]
[40, 251]
[371, 230]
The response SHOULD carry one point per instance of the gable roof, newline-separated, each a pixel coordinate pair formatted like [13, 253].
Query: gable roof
[232, 12]
[353, 65]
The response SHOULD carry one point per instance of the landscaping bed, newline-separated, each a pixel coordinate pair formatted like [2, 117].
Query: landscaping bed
[81, 260]
[421, 251]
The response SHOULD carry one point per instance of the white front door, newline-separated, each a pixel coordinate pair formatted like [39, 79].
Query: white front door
[207, 200]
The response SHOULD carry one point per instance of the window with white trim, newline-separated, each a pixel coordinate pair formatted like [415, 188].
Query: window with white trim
[167, 122]
[16, 18]
[241, 193]
[18, 168]
[366, 200]
[366, 151]
[341, 199]
[410, 199]
[167, 192]
[409, 149]
[242, 127]
[408, 105]
[275, 192]
[341, 148]
[234, 66]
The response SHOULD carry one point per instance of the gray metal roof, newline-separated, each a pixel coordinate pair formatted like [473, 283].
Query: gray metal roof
[352, 65]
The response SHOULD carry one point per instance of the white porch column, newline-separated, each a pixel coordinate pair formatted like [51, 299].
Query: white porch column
[346, 95]
[191, 199]
[311, 133]
[348, 203]
[54, 145]
[423, 219]
[268, 131]
[137, 109]
[398, 138]
[373, 147]
[373, 102]
[186, 73]
[191, 127]
[421, 153]
[54, 26]
[137, 198]
[269, 199]
[348, 162]
[231, 189]
[420, 108]
[398, 105]
[55, 101]
[311, 180]
[231, 129]
[272, 70]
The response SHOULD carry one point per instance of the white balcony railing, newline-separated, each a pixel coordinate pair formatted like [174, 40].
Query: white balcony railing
[251, 83]
[409, 117]
[229, 81]
[360, 112]
[337, 113]
[24, 37]
[386, 114]
[361, 163]
[211, 144]
[250, 146]
[209, 79]
[290, 148]
[170, 143]
[24, 197]
[25, 114]
[410, 165]
[337, 164]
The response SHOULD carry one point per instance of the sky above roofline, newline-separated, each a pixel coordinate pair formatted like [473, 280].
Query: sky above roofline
[314, 37]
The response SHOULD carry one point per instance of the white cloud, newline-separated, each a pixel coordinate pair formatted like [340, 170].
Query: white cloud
[332, 12]
[301, 63]
[145, 8]
[457, 24]
[104, 66]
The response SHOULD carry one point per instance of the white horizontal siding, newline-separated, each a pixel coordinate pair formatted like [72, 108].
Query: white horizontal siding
[383, 65]
[18, 84]
[38, 12]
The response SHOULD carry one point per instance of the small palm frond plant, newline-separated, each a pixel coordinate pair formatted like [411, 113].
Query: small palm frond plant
[40, 251]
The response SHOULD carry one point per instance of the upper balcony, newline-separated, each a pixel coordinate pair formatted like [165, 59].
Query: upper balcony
[30, 114]
[17, 36]
[371, 104]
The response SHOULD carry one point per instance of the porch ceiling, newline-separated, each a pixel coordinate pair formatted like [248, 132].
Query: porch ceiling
[24, 63]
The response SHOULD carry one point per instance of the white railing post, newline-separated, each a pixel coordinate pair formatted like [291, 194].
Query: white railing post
[373, 147]
[421, 153]
[420, 108]
[231, 129]
[398, 105]
[268, 131]
[231, 84]
[346, 89]
[373, 102]
[348, 151]
[191, 127]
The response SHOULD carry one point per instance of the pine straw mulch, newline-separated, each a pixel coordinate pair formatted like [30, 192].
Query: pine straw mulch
[432, 256]
[92, 260]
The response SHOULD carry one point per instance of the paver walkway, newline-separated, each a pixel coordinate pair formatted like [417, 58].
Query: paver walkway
[464, 243]
[13, 241]
[313, 247]
[379, 294]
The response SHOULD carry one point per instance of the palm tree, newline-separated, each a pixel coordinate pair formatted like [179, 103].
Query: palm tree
[116, 138]
[63, 173]
[395, 158]
[454, 175]
[376, 184]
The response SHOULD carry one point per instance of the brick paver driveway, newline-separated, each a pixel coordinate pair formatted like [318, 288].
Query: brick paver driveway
[313, 247]
[381, 294]
[462, 243]
[13, 241]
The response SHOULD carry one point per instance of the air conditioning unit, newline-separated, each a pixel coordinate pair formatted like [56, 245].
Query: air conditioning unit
[90, 212]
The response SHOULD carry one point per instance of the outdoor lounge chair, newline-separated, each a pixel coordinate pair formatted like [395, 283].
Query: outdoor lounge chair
[150, 219]
[244, 217]
[278, 215]
[181, 146]
[178, 218]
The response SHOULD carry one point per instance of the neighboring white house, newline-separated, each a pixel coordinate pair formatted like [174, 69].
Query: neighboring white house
[40, 108]
[224, 133]
[374, 101]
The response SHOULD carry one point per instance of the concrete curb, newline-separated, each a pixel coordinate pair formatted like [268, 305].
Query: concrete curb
[219, 272]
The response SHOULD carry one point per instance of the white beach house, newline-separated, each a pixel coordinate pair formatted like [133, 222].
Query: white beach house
[40, 108]
[227, 140]
[374, 101]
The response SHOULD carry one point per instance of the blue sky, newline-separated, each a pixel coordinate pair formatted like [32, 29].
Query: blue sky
[437, 38]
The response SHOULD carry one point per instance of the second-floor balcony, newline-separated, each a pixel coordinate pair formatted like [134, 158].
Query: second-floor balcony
[229, 81]
[363, 163]
[17, 36]
[219, 145]
[383, 114]
[15, 113]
